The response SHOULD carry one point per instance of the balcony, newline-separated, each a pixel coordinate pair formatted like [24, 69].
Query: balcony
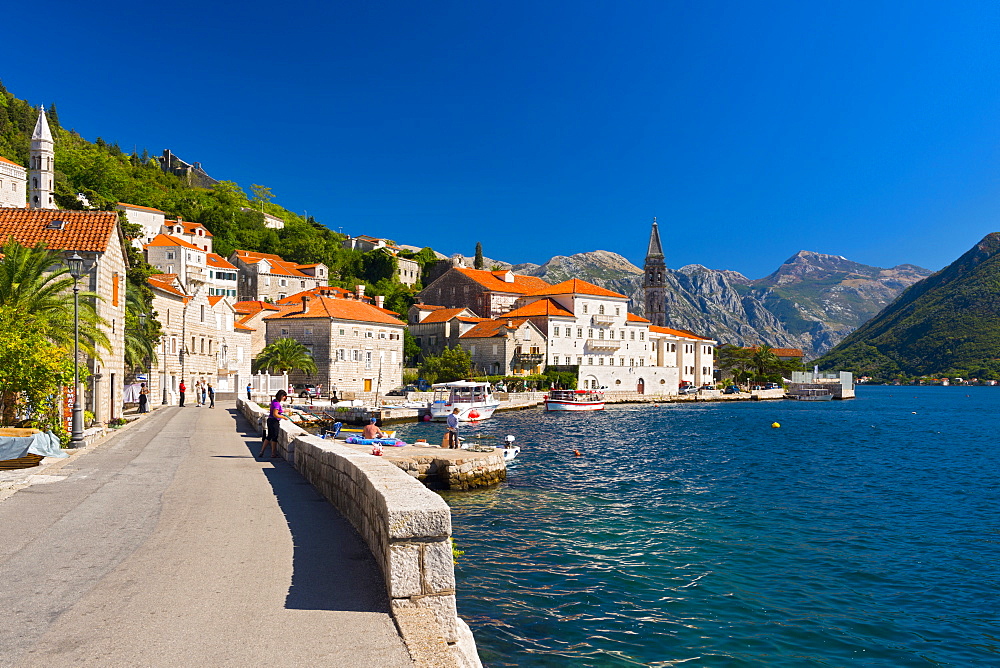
[603, 319]
[528, 359]
[603, 344]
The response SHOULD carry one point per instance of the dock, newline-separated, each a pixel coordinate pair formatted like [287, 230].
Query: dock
[441, 468]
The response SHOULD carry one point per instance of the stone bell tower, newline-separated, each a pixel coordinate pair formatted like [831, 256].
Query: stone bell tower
[41, 175]
[653, 281]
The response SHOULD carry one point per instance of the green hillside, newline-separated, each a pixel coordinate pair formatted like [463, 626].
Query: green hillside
[947, 324]
[105, 175]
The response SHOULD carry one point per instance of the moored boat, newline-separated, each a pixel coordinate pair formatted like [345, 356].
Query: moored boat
[473, 400]
[574, 400]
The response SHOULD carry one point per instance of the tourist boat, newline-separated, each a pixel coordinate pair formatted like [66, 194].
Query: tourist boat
[811, 394]
[473, 400]
[574, 400]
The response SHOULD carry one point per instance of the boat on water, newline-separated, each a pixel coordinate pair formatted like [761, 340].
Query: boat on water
[811, 394]
[474, 401]
[574, 400]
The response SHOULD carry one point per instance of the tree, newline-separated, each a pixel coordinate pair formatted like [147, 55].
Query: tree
[452, 364]
[34, 292]
[378, 265]
[411, 350]
[478, 262]
[285, 355]
[141, 334]
[763, 360]
[33, 371]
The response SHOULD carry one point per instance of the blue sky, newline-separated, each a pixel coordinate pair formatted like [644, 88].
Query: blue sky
[750, 130]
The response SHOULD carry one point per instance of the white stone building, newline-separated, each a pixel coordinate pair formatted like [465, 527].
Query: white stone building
[173, 255]
[505, 347]
[267, 277]
[223, 277]
[13, 184]
[150, 219]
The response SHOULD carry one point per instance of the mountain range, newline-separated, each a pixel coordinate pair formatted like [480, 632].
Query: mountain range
[946, 324]
[812, 301]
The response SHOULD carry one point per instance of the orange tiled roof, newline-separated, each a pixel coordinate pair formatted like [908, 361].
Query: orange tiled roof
[670, 331]
[216, 261]
[214, 299]
[632, 317]
[490, 328]
[442, 315]
[136, 206]
[11, 162]
[278, 265]
[782, 352]
[250, 307]
[192, 228]
[575, 286]
[340, 309]
[166, 283]
[83, 231]
[491, 280]
[427, 307]
[167, 240]
[540, 307]
[240, 325]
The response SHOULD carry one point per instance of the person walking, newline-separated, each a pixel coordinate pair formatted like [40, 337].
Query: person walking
[204, 392]
[143, 398]
[274, 417]
[211, 395]
[451, 436]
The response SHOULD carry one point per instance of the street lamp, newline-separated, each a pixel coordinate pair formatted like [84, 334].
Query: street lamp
[75, 264]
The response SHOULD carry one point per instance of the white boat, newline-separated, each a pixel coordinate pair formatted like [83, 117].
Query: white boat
[473, 400]
[574, 400]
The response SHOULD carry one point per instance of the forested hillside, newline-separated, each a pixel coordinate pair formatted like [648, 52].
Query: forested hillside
[104, 175]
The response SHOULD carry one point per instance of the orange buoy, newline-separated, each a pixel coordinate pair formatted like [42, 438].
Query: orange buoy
[576, 453]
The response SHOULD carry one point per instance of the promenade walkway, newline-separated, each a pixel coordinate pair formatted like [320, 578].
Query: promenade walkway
[170, 545]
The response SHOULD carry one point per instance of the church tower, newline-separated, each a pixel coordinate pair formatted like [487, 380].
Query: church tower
[654, 281]
[41, 175]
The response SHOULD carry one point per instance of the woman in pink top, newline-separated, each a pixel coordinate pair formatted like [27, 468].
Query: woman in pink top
[274, 418]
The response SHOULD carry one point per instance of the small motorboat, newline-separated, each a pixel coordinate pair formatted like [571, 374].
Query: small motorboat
[574, 400]
[473, 400]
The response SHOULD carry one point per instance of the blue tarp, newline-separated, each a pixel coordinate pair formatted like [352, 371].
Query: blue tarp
[44, 444]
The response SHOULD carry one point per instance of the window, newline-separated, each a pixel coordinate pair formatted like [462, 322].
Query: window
[355, 355]
[600, 310]
[555, 331]
[282, 282]
[600, 361]
[555, 359]
[579, 360]
[202, 312]
[590, 360]
[495, 348]
[193, 346]
[284, 332]
[303, 283]
[203, 346]
[579, 332]
[307, 331]
[642, 336]
[618, 310]
[642, 362]
[368, 359]
[472, 349]
[600, 334]
[632, 335]
[170, 255]
[584, 308]
[341, 332]
[590, 333]
[341, 354]
[173, 345]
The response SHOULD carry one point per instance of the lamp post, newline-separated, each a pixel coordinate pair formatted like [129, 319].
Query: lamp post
[75, 264]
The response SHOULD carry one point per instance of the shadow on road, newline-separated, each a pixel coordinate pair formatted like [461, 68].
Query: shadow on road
[332, 568]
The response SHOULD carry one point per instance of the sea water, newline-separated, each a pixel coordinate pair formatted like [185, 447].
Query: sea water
[862, 532]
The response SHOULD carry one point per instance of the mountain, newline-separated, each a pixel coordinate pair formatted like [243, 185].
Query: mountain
[811, 302]
[947, 324]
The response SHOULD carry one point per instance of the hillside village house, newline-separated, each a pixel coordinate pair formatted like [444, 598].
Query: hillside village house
[407, 271]
[505, 346]
[13, 184]
[270, 221]
[250, 316]
[223, 277]
[357, 347]
[201, 341]
[435, 328]
[150, 219]
[488, 294]
[267, 277]
[173, 255]
[97, 237]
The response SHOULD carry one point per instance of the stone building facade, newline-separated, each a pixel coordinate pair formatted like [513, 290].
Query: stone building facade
[435, 328]
[97, 237]
[13, 184]
[654, 280]
[42, 170]
[267, 277]
[488, 294]
[505, 346]
[356, 346]
[151, 220]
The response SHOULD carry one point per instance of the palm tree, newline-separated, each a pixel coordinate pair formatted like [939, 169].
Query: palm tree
[763, 360]
[140, 348]
[35, 285]
[284, 355]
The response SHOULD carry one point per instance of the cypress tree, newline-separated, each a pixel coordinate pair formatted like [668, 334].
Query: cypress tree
[478, 263]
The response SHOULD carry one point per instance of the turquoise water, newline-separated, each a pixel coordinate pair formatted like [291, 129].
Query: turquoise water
[861, 532]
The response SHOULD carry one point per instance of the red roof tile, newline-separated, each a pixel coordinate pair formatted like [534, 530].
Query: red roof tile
[83, 230]
[214, 299]
[216, 261]
[490, 328]
[11, 162]
[656, 329]
[166, 283]
[522, 285]
[442, 315]
[632, 317]
[540, 307]
[251, 307]
[167, 240]
[575, 286]
[278, 265]
[340, 309]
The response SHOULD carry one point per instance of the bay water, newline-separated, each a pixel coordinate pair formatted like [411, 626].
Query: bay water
[860, 532]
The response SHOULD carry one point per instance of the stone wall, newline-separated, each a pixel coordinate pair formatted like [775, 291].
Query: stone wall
[406, 526]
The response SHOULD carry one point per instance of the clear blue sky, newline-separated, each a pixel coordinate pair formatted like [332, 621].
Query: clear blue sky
[751, 130]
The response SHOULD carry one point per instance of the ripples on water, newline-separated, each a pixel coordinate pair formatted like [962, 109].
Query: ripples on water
[858, 532]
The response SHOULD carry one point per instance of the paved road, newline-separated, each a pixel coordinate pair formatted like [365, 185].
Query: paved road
[171, 545]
